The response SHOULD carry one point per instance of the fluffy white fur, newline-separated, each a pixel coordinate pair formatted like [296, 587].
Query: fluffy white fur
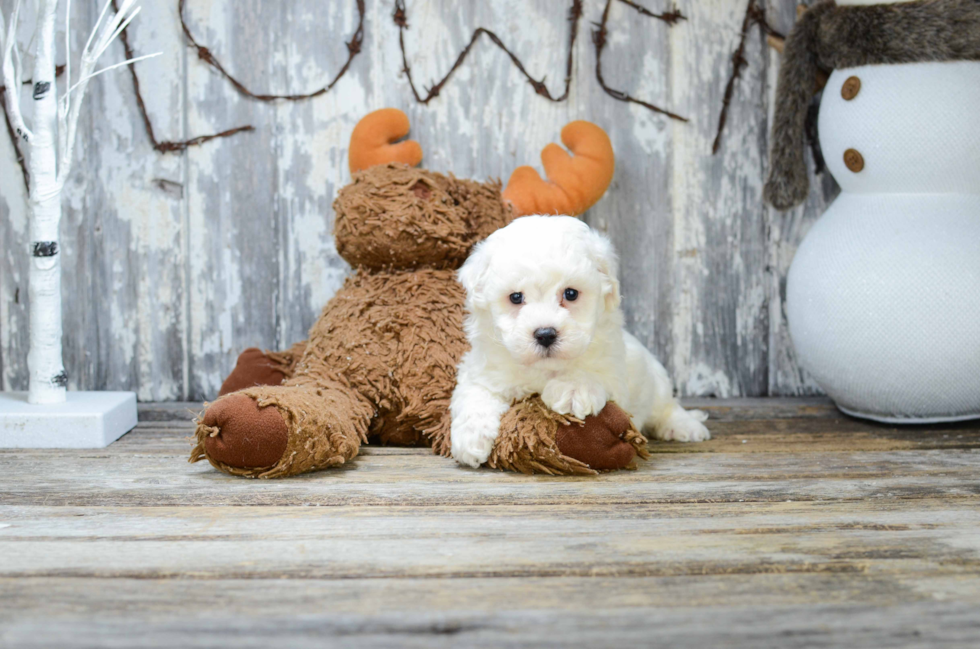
[593, 358]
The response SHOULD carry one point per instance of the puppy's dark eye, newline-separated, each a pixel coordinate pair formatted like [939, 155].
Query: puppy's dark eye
[517, 298]
[571, 294]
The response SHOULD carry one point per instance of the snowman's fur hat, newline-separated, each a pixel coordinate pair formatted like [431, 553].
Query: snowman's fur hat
[829, 37]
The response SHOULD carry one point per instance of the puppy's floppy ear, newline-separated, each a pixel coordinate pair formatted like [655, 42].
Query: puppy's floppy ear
[603, 255]
[473, 275]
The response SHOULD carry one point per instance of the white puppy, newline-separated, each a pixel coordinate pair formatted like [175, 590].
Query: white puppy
[542, 297]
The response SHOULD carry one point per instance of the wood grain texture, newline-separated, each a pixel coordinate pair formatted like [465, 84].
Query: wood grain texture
[175, 263]
[720, 342]
[794, 527]
[642, 225]
[15, 241]
[233, 249]
[785, 231]
[123, 223]
[526, 541]
[924, 625]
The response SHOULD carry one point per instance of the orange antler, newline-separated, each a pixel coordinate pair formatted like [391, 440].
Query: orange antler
[576, 182]
[373, 141]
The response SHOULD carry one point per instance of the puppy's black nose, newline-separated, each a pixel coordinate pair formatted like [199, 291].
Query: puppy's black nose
[546, 336]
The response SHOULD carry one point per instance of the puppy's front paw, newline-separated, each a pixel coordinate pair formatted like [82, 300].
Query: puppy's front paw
[579, 399]
[472, 443]
[683, 426]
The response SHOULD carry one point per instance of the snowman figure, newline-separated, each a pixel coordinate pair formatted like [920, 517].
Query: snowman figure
[883, 295]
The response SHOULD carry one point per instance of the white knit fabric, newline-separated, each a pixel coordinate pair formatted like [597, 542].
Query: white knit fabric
[883, 297]
[917, 127]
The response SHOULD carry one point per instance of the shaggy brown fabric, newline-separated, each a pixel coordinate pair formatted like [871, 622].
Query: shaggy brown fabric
[396, 337]
[528, 441]
[394, 216]
[325, 423]
[285, 361]
[380, 362]
[829, 37]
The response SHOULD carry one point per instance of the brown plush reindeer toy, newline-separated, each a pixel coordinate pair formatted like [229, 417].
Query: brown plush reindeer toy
[380, 363]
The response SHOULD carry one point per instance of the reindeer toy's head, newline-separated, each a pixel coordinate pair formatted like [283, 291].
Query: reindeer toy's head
[394, 215]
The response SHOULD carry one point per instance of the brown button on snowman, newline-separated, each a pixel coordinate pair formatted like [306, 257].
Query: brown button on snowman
[883, 296]
[851, 88]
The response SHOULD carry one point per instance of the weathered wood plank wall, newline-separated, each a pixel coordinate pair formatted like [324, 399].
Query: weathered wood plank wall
[176, 262]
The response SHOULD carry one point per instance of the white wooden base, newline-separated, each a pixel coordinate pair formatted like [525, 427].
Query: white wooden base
[85, 420]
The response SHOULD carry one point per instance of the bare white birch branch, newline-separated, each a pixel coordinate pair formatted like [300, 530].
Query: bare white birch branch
[95, 27]
[47, 373]
[50, 156]
[101, 37]
[12, 76]
[67, 64]
[113, 67]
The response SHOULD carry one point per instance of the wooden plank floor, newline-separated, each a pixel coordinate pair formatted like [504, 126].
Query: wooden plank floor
[794, 527]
